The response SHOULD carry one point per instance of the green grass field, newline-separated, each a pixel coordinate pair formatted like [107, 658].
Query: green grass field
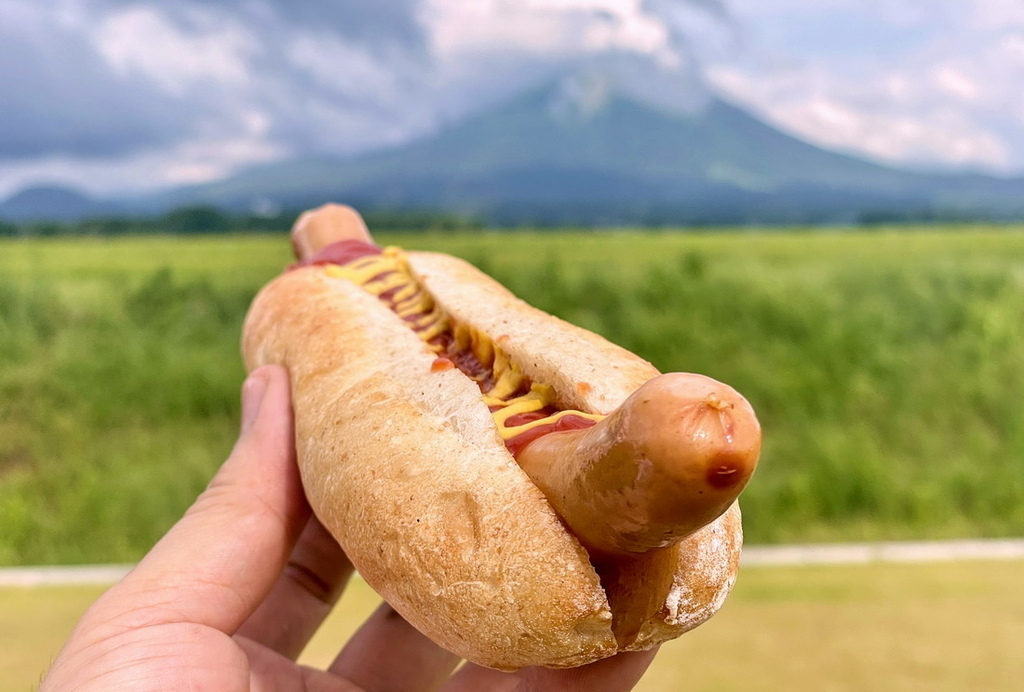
[885, 366]
[899, 628]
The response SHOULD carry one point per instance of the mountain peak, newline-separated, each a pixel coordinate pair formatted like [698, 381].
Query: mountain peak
[578, 97]
[587, 88]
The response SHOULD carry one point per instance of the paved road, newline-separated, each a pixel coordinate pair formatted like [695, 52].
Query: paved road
[883, 551]
[753, 557]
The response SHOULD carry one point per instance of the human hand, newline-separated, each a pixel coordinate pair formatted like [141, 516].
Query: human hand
[231, 595]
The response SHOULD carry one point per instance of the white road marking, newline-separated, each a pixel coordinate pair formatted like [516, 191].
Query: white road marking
[63, 575]
[883, 552]
[753, 556]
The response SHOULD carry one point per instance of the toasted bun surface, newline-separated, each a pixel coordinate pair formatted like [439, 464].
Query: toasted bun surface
[404, 467]
[588, 372]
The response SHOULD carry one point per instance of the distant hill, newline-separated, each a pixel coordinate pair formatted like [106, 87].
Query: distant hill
[583, 149]
[50, 203]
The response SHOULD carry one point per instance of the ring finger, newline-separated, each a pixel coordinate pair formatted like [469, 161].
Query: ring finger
[388, 654]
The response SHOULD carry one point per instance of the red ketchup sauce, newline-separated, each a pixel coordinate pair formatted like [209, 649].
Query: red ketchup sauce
[518, 443]
[341, 252]
[346, 251]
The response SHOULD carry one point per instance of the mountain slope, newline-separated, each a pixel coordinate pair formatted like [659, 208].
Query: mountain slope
[565, 154]
[542, 130]
[588, 149]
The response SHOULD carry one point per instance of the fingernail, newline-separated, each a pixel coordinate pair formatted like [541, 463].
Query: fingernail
[253, 389]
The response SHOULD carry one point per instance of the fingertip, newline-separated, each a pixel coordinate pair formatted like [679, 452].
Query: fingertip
[267, 441]
[266, 393]
[253, 390]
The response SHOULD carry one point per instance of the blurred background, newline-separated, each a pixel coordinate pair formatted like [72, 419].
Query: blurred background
[820, 203]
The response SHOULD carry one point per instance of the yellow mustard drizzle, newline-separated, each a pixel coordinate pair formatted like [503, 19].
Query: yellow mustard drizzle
[389, 271]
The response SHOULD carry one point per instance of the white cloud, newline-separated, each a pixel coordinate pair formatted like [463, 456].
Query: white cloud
[894, 137]
[142, 40]
[456, 27]
[203, 161]
[343, 67]
[993, 15]
[241, 81]
[234, 82]
[923, 82]
[550, 27]
[486, 50]
[194, 161]
[955, 83]
[883, 121]
[210, 88]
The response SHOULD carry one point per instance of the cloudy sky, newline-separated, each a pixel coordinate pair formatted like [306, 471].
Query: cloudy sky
[124, 95]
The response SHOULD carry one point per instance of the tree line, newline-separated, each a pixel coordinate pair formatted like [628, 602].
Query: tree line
[208, 219]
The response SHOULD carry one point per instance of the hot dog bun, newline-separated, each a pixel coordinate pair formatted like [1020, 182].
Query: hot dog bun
[401, 461]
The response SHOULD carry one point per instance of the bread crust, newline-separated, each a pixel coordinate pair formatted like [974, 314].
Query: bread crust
[404, 466]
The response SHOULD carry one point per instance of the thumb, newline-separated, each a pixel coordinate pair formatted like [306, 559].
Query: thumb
[221, 559]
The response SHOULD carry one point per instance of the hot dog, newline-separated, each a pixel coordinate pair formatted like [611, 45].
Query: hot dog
[519, 489]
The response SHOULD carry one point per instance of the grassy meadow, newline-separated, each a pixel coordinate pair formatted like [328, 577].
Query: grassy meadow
[900, 628]
[886, 367]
